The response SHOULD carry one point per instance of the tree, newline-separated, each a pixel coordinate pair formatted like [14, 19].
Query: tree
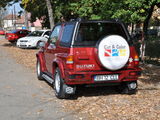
[50, 13]
[39, 9]
[130, 11]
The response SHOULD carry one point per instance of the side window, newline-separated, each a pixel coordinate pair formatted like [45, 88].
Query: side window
[20, 32]
[55, 34]
[67, 35]
[24, 32]
[47, 33]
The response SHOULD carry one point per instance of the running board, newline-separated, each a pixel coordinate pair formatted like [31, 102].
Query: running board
[47, 78]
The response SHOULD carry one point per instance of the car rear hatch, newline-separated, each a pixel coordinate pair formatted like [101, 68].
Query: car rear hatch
[85, 50]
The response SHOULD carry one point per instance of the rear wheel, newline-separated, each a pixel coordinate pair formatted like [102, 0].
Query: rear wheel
[38, 70]
[62, 91]
[59, 85]
[128, 88]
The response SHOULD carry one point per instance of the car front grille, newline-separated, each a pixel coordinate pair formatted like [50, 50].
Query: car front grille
[23, 40]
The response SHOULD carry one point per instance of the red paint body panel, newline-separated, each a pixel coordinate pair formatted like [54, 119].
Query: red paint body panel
[13, 36]
[82, 57]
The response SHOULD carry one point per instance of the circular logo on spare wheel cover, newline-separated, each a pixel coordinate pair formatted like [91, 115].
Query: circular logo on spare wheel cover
[113, 52]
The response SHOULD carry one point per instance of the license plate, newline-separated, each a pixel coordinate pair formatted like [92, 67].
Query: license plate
[106, 77]
[22, 44]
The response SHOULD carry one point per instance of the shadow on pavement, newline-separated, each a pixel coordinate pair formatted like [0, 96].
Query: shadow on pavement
[9, 45]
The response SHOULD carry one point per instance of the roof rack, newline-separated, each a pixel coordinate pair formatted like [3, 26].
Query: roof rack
[77, 19]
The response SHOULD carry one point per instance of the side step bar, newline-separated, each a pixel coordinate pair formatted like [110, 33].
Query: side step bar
[47, 78]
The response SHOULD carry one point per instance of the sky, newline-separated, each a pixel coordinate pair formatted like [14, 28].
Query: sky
[17, 8]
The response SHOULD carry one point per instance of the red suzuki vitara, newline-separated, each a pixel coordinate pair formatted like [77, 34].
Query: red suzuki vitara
[84, 52]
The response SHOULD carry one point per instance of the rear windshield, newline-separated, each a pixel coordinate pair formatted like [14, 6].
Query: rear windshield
[89, 33]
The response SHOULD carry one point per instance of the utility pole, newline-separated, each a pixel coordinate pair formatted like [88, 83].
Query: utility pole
[0, 17]
[12, 18]
[15, 17]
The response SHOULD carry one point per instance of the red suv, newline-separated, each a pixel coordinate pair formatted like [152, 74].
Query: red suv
[89, 53]
[16, 34]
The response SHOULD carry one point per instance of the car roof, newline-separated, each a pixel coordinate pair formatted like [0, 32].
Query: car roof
[72, 21]
[43, 30]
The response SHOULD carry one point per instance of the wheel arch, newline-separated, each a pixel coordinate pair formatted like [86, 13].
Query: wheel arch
[40, 57]
[58, 63]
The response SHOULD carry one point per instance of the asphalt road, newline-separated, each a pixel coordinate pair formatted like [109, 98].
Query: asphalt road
[23, 97]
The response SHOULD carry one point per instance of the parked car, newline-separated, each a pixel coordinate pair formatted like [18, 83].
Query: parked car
[14, 35]
[88, 53]
[33, 39]
[2, 32]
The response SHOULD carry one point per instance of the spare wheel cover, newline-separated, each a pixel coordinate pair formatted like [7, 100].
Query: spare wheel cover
[113, 52]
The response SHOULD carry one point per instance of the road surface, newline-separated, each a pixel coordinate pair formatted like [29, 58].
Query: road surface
[23, 97]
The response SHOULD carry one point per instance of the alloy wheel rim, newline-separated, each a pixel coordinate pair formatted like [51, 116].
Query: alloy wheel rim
[57, 82]
[38, 69]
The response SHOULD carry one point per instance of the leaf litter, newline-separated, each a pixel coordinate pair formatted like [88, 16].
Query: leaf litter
[104, 103]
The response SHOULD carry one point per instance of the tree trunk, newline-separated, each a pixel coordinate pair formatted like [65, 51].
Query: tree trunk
[26, 19]
[146, 21]
[144, 33]
[50, 13]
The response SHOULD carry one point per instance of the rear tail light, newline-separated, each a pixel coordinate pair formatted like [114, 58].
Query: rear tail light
[69, 62]
[136, 60]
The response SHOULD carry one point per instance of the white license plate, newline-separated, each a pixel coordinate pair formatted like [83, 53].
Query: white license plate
[106, 77]
[22, 44]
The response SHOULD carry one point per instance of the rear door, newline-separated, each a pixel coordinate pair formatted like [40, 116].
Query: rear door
[51, 47]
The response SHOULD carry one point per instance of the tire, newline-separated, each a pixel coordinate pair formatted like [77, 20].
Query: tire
[129, 92]
[38, 70]
[38, 46]
[59, 85]
[124, 89]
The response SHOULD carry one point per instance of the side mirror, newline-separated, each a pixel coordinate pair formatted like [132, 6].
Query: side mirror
[41, 44]
[46, 36]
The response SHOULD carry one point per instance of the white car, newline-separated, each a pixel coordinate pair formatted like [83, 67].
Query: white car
[33, 39]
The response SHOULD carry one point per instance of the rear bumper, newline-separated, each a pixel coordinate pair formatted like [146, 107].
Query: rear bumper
[75, 78]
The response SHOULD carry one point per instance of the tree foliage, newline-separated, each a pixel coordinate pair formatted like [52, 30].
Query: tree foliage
[129, 11]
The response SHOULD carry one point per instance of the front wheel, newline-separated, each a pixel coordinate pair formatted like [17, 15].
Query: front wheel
[38, 70]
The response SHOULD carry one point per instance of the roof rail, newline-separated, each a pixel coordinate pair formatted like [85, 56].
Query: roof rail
[77, 19]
